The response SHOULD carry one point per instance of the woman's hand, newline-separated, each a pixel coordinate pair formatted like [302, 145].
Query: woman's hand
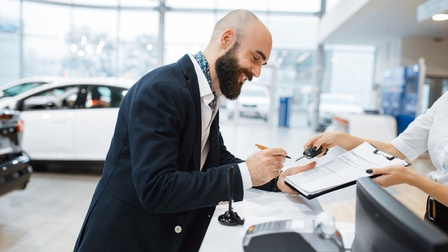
[393, 175]
[324, 140]
[342, 139]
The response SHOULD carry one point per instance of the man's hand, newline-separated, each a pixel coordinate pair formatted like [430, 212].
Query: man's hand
[265, 165]
[281, 185]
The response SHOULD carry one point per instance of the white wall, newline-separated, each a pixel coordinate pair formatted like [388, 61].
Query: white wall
[339, 15]
[388, 56]
[434, 52]
[402, 52]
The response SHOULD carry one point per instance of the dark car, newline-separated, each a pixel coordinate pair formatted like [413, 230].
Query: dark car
[15, 169]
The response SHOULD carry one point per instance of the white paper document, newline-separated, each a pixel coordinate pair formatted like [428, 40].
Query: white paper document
[342, 171]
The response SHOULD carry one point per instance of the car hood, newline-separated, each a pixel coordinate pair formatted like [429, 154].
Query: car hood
[7, 102]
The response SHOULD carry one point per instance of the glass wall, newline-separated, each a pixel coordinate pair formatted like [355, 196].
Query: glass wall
[187, 32]
[122, 38]
[10, 40]
[349, 70]
[44, 39]
[76, 39]
[137, 50]
[294, 50]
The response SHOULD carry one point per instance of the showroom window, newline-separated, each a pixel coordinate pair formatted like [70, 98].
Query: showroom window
[44, 50]
[137, 50]
[10, 43]
[122, 38]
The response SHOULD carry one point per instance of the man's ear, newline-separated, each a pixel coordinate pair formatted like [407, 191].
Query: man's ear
[227, 38]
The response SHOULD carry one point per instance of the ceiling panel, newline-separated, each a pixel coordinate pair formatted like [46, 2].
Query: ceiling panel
[379, 20]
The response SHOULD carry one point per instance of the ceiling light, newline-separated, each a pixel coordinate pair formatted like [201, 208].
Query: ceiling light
[431, 8]
[440, 17]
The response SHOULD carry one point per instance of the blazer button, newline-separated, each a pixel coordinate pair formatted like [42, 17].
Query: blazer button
[178, 229]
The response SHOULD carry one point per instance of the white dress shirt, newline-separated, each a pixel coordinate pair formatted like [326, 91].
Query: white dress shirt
[428, 131]
[207, 118]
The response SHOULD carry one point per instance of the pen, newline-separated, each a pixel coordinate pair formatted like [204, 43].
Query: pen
[262, 147]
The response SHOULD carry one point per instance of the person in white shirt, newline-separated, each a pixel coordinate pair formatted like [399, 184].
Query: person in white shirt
[428, 132]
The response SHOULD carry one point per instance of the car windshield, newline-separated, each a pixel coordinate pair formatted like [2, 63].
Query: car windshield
[15, 90]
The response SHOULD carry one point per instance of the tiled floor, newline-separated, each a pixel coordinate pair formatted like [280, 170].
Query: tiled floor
[48, 214]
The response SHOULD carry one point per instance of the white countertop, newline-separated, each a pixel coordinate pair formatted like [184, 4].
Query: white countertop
[258, 206]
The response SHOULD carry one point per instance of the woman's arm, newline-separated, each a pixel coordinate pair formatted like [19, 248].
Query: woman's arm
[393, 175]
[348, 142]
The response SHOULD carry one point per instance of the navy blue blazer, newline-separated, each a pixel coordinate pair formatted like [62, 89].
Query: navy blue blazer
[152, 195]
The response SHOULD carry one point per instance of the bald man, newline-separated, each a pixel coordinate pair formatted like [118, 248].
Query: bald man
[167, 165]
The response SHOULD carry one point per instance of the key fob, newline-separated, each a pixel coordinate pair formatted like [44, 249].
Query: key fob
[312, 152]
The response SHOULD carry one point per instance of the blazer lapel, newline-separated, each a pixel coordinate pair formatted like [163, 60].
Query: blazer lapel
[213, 154]
[192, 80]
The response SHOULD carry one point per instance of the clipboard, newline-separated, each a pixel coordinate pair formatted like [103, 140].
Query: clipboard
[341, 172]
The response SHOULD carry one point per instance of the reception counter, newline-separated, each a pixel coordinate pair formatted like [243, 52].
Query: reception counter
[257, 207]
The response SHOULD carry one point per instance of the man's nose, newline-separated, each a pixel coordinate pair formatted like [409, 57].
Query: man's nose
[256, 71]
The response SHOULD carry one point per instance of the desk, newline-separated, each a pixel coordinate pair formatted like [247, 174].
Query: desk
[368, 126]
[258, 206]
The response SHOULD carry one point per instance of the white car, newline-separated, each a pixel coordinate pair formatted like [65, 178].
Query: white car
[331, 104]
[69, 119]
[254, 101]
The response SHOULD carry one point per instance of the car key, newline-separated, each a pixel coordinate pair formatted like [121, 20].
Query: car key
[311, 152]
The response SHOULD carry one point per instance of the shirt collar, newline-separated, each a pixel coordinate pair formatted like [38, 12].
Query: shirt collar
[202, 61]
[204, 89]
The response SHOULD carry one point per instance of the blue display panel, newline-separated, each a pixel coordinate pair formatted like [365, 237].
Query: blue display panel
[399, 94]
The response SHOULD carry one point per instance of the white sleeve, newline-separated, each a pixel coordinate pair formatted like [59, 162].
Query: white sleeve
[413, 141]
[245, 176]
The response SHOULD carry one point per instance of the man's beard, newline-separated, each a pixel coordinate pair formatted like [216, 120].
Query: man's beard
[229, 71]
